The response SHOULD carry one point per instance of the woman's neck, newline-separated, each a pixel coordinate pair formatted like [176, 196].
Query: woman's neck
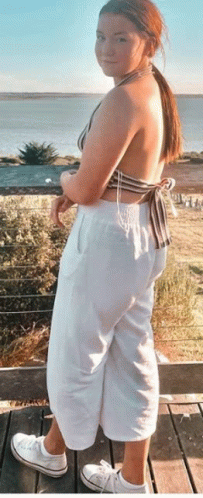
[137, 73]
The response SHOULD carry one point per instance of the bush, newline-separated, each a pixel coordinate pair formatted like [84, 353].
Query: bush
[35, 153]
[9, 160]
[30, 249]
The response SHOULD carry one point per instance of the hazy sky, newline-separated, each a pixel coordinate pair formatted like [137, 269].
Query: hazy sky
[48, 45]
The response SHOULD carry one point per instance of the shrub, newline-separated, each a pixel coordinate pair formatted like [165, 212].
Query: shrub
[9, 160]
[30, 249]
[35, 153]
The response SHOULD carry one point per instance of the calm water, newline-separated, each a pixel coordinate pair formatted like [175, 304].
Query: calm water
[60, 121]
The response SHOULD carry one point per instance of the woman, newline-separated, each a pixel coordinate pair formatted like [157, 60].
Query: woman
[101, 362]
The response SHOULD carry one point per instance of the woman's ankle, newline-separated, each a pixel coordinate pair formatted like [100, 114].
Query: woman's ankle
[53, 447]
[134, 477]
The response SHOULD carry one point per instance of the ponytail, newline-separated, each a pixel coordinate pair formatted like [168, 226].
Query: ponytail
[173, 147]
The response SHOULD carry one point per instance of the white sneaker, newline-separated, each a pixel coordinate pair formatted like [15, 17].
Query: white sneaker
[27, 449]
[104, 478]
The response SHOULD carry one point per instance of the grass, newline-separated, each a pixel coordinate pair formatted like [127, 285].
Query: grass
[178, 313]
[30, 348]
[177, 316]
[187, 235]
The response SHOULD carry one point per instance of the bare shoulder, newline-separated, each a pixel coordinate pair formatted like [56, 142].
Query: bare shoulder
[136, 98]
[121, 98]
[120, 105]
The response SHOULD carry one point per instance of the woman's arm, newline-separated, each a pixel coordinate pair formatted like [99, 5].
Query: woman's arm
[114, 126]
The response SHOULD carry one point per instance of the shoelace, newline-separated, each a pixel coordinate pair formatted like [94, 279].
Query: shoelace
[33, 442]
[106, 468]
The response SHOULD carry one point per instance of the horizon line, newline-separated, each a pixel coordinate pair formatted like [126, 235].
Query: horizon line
[76, 93]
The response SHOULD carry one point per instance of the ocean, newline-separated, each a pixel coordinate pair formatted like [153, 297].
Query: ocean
[59, 120]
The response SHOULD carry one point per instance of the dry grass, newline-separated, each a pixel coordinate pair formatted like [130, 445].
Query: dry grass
[187, 234]
[30, 349]
[178, 323]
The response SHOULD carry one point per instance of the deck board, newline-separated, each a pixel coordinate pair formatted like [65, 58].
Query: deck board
[166, 459]
[16, 477]
[189, 425]
[3, 428]
[98, 451]
[175, 458]
[64, 484]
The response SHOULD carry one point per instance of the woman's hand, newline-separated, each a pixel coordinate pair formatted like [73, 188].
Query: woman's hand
[60, 205]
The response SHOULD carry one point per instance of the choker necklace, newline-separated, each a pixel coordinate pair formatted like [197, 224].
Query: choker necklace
[136, 74]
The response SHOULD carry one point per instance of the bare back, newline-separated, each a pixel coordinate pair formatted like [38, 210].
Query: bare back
[142, 158]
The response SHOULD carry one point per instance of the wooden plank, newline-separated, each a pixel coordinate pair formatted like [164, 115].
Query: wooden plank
[4, 420]
[189, 425]
[20, 383]
[181, 378]
[30, 382]
[178, 399]
[98, 451]
[16, 477]
[118, 455]
[65, 483]
[166, 458]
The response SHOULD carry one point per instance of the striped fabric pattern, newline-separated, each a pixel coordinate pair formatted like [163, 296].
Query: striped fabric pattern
[83, 135]
[158, 214]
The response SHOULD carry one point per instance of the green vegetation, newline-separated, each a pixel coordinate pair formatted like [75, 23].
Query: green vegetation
[34, 153]
[8, 160]
[30, 248]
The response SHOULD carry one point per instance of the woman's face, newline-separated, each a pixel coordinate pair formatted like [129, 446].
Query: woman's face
[119, 47]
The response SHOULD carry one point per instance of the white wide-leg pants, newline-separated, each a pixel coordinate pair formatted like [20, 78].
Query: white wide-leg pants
[102, 367]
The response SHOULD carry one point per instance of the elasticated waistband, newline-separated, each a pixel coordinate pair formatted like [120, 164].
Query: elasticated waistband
[108, 210]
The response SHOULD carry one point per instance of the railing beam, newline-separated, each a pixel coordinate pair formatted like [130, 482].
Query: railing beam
[18, 383]
[32, 180]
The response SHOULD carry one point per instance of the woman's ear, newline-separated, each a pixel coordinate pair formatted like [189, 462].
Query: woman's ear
[149, 48]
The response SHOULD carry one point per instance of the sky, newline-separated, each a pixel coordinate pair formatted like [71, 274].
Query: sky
[48, 46]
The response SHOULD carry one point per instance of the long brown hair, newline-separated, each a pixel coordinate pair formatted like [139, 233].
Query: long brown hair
[150, 23]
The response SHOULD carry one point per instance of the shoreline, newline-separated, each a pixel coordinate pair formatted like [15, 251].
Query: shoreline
[45, 95]
[42, 95]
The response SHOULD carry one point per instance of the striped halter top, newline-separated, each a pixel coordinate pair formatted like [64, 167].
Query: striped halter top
[119, 180]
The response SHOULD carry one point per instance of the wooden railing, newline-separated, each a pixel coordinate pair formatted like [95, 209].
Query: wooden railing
[27, 383]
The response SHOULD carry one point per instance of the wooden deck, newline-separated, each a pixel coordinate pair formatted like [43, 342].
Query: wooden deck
[175, 461]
